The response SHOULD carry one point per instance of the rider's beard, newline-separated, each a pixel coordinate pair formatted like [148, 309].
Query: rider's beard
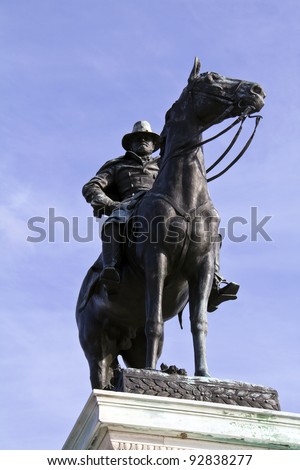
[143, 150]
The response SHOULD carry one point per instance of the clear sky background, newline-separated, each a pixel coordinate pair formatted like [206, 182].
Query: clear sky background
[75, 75]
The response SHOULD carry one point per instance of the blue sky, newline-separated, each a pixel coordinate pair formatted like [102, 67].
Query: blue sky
[75, 76]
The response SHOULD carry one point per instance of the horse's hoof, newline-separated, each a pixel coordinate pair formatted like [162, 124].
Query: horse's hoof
[109, 387]
[202, 373]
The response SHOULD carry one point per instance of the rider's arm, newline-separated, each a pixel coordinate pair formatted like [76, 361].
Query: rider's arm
[95, 192]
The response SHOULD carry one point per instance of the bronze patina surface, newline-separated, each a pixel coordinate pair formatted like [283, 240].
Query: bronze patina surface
[167, 254]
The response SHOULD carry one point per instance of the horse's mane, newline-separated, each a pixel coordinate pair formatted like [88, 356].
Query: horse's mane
[163, 134]
[168, 118]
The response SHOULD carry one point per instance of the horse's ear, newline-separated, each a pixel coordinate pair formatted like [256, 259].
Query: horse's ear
[195, 70]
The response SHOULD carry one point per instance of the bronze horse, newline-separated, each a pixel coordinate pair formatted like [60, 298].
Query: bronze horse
[170, 254]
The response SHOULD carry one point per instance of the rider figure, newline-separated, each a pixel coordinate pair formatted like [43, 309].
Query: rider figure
[117, 185]
[115, 189]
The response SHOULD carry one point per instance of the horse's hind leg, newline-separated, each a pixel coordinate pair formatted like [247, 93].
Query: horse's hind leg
[101, 357]
[199, 290]
[99, 372]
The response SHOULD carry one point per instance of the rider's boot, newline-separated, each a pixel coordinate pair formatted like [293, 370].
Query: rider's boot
[111, 254]
[220, 294]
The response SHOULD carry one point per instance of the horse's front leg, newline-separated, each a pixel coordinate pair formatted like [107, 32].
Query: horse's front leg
[155, 278]
[200, 284]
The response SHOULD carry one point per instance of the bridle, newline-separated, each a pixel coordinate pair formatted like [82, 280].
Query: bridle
[241, 119]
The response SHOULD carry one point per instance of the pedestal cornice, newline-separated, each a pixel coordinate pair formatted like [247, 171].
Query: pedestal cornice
[118, 420]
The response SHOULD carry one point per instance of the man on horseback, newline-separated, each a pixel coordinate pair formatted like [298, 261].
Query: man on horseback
[115, 190]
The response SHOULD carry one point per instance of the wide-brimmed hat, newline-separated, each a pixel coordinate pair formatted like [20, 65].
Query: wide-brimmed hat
[140, 127]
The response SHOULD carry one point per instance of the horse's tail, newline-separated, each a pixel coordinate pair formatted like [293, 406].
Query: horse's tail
[180, 319]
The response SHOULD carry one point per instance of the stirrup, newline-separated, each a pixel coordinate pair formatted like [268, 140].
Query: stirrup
[219, 295]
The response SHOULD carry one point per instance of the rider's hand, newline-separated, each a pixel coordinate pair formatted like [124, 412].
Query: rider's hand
[102, 204]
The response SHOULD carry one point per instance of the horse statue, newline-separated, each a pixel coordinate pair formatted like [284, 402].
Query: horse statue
[169, 258]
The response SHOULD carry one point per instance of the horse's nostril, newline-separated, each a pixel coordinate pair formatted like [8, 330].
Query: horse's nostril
[258, 90]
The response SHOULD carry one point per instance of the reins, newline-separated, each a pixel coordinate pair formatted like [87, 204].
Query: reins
[241, 153]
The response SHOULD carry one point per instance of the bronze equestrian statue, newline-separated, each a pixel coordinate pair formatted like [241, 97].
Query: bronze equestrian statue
[165, 230]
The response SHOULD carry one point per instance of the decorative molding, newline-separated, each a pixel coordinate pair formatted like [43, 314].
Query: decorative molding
[141, 446]
[146, 382]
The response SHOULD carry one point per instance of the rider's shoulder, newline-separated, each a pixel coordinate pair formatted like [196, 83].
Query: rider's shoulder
[123, 159]
[111, 163]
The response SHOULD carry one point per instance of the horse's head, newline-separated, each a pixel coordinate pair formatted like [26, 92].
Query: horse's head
[216, 98]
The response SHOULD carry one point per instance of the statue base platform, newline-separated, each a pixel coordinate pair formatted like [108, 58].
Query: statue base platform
[140, 418]
[148, 382]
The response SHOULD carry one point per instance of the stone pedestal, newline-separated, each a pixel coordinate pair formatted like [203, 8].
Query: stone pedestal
[129, 421]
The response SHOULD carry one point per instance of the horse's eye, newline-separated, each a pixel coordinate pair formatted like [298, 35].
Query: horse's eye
[209, 77]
